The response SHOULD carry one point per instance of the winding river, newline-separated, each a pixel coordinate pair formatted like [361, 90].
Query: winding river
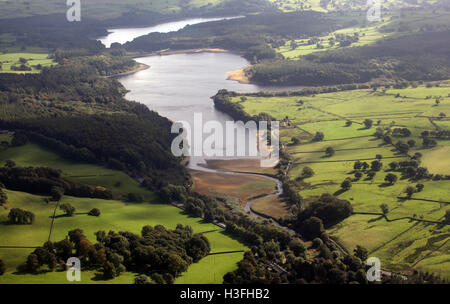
[179, 85]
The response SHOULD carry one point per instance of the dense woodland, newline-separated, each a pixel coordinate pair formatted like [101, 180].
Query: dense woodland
[72, 109]
[422, 56]
[250, 35]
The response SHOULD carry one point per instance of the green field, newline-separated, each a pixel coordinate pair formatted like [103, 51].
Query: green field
[338, 5]
[367, 36]
[399, 244]
[116, 216]
[33, 60]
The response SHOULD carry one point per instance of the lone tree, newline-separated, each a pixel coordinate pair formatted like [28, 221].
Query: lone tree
[68, 209]
[346, 184]
[295, 140]
[368, 123]
[410, 191]
[319, 136]
[94, 212]
[384, 208]
[361, 252]
[391, 178]
[329, 151]
[420, 187]
[348, 123]
[307, 172]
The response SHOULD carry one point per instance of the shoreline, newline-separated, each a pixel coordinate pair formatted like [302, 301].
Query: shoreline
[141, 67]
[186, 51]
[239, 76]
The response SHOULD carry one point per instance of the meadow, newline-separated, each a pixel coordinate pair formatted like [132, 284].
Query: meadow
[36, 59]
[401, 241]
[330, 6]
[367, 36]
[392, 24]
[115, 215]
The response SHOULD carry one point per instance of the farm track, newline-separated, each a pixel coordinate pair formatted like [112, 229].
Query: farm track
[53, 221]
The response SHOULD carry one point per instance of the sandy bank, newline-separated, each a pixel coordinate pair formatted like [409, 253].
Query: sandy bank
[239, 76]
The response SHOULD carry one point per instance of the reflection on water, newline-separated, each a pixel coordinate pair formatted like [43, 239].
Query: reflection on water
[122, 35]
[177, 86]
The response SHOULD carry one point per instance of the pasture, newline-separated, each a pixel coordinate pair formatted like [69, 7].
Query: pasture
[116, 216]
[34, 60]
[401, 241]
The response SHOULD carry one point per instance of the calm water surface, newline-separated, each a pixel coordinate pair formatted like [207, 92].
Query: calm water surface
[177, 86]
[122, 35]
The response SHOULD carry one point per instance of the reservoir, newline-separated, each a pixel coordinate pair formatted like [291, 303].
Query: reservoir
[177, 86]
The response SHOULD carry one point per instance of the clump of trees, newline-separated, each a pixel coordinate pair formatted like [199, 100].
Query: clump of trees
[328, 208]
[368, 123]
[68, 209]
[319, 136]
[47, 181]
[157, 252]
[346, 184]
[391, 178]
[307, 172]
[18, 216]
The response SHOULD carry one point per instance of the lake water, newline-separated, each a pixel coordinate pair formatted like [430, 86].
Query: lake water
[122, 35]
[181, 85]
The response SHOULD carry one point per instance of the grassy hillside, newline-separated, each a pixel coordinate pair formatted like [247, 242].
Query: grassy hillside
[116, 215]
[339, 5]
[401, 242]
[110, 9]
